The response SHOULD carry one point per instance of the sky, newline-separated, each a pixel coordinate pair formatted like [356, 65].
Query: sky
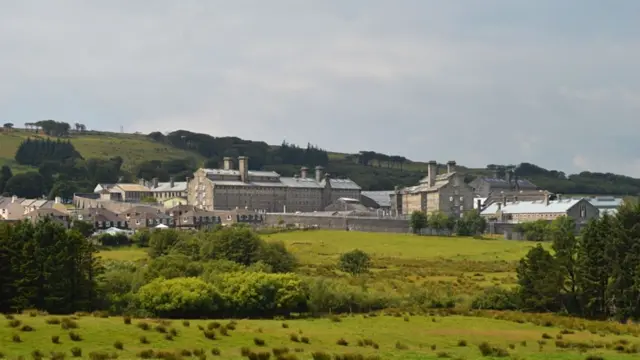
[554, 83]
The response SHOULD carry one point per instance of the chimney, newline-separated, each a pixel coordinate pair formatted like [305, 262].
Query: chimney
[479, 203]
[451, 166]
[499, 206]
[171, 181]
[303, 172]
[154, 182]
[228, 163]
[243, 166]
[432, 172]
[507, 176]
[319, 173]
[327, 179]
[546, 198]
[504, 200]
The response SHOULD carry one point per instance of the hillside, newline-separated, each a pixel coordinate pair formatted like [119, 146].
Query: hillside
[180, 152]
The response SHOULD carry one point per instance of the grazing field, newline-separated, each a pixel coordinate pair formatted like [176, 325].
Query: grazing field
[132, 148]
[375, 337]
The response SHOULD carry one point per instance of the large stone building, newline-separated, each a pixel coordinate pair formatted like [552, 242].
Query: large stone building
[228, 188]
[509, 187]
[447, 193]
[581, 210]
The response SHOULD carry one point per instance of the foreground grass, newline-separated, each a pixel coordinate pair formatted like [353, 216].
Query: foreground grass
[396, 337]
[133, 148]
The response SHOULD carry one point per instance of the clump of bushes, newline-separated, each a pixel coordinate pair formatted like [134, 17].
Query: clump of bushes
[186, 323]
[118, 345]
[146, 354]
[462, 343]
[127, 320]
[53, 321]
[355, 262]
[55, 339]
[144, 340]
[488, 350]
[210, 334]
[27, 328]
[16, 338]
[68, 323]
[37, 355]
[54, 355]
[161, 329]
[320, 355]
[304, 339]
[144, 326]
[294, 338]
[76, 351]
[215, 352]
[342, 342]
[401, 346]
[14, 323]
[259, 342]
[74, 336]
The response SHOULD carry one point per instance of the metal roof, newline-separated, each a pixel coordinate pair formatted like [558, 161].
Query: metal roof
[532, 207]
[299, 182]
[382, 198]
[608, 202]
[166, 186]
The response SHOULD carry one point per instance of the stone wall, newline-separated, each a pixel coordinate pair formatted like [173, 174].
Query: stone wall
[353, 223]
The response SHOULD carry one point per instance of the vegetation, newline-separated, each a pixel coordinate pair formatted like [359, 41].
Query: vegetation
[178, 153]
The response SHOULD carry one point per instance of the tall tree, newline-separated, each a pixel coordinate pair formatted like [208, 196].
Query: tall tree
[540, 281]
[5, 175]
[565, 247]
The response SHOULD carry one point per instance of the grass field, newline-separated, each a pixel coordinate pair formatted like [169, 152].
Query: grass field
[133, 148]
[396, 337]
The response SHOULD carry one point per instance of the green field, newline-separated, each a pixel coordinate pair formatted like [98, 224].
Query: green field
[133, 148]
[401, 262]
[397, 337]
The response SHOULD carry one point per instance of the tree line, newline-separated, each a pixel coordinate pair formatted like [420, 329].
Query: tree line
[594, 275]
[368, 158]
[470, 224]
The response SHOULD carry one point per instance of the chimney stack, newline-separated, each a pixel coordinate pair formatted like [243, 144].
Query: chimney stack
[154, 182]
[228, 163]
[303, 172]
[243, 166]
[499, 206]
[507, 176]
[558, 197]
[171, 181]
[432, 172]
[451, 166]
[479, 203]
[319, 173]
[546, 198]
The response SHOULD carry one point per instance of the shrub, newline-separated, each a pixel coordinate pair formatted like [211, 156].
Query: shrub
[462, 343]
[259, 342]
[401, 346]
[496, 298]
[57, 355]
[168, 337]
[68, 323]
[547, 336]
[285, 325]
[118, 345]
[55, 339]
[53, 321]
[14, 323]
[443, 355]
[16, 338]
[198, 352]
[319, 355]
[9, 316]
[294, 338]
[277, 257]
[335, 318]
[173, 332]
[594, 357]
[76, 351]
[178, 297]
[280, 351]
[224, 331]
[74, 336]
[27, 328]
[355, 262]
[342, 342]
[144, 340]
[144, 326]
[127, 320]
[215, 352]
[161, 329]
[210, 334]
[146, 354]
[245, 351]
[37, 355]
[487, 350]
[304, 340]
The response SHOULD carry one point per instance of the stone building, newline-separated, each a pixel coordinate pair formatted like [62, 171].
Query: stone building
[496, 188]
[228, 189]
[447, 193]
[581, 210]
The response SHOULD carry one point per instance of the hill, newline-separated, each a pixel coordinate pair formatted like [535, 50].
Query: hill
[179, 152]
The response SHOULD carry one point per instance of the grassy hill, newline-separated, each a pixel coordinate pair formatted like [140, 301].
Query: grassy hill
[133, 148]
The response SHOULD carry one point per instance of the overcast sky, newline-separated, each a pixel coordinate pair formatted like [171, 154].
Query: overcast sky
[555, 83]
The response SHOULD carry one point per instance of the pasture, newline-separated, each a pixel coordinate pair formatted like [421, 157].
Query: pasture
[373, 336]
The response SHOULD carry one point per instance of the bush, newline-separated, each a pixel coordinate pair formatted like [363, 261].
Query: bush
[342, 342]
[57, 355]
[355, 262]
[215, 352]
[401, 346]
[235, 243]
[186, 323]
[53, 321]
[146, 354]
[277, 257]
[259, 342]
[118, 345]
[496, 298]
[37, 355]
[76, 351]
[27, 328]
[304, 340]
[55, 339]
[67, 323]
[462, 343]
[74, 336]
[178, 297]
[210, 334]
[294, 338]
[487, 350]
[144, 340]
[16, 338]
[14, 323]
[319, 355]
[127, 320]
[144, 326]
[161, 329]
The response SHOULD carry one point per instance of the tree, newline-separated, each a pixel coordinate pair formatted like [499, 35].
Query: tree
[28, 185]
[418, 221]
[565, 247]
[239, 244]
[63, 189]
[471, 223]
[276, 255]
[8, 126]
[355, 262]
[594, 265]
[83, 227]
[540, 281]
[439, 221]
[5, 175]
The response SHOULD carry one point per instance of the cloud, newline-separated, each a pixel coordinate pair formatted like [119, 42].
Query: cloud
[478, 82]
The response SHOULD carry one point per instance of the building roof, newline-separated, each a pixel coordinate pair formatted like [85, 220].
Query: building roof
[343, 184]
[131, 187]
[299, 182]
[46, 212]
[502, 183]
[178, 186]
[532, 207]
[237, 173]
[382, 198]
[606, 202]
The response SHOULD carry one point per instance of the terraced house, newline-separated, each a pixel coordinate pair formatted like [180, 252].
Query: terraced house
[229, 188]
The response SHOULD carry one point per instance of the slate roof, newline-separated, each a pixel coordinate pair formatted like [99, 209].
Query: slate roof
[382, 198]
[178, 186]
[343, 184]
[533, 207]
[502, 183]
[608, 202]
